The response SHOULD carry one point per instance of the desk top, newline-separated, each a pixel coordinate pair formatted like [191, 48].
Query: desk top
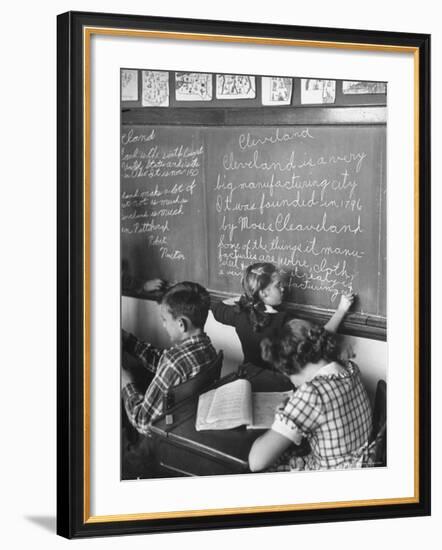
[231, 447]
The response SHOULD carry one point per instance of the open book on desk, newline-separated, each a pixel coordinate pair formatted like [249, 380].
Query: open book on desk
[235, 404]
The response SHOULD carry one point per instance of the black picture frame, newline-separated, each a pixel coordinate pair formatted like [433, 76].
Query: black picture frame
[73, 498]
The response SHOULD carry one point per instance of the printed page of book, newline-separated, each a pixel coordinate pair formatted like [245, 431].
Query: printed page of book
[264, 405]
[204, 403]
[232, 402]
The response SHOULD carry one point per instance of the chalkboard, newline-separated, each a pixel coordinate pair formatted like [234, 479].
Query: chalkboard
[309, 199]
[202, 202]
[163, 218]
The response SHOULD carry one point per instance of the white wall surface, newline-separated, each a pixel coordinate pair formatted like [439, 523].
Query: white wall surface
[27, 223]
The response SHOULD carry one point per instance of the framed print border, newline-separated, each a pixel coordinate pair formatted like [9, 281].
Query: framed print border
[75, 29]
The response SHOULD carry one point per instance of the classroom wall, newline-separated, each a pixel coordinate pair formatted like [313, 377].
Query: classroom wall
[141, 317]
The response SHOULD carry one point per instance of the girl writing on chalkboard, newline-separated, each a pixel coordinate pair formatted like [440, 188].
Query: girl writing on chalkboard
[257, 314]
[330, 406]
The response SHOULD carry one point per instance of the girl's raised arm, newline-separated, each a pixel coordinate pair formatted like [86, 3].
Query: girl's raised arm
[224, 314]
[344, 305]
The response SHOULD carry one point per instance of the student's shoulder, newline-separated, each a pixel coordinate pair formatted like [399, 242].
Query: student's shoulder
[173, 354]
[305, 399]
[174, 362]
[189, 347]
[309, 392]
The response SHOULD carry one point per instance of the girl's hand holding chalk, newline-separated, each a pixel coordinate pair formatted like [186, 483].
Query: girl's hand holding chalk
[346, 301]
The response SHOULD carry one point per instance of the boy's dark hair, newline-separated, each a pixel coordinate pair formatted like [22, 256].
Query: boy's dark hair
[189, 300]
[299, 343]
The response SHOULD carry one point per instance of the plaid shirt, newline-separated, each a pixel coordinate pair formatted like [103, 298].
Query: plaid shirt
[333, 412]
[170, 367]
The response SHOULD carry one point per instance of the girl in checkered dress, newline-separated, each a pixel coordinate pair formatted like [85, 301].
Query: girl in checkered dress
[330, 406]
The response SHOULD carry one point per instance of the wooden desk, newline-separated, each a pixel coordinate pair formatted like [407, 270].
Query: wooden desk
[181, 449]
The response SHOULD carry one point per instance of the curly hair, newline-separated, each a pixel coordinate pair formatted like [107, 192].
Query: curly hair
[299, 343]
[256, 278]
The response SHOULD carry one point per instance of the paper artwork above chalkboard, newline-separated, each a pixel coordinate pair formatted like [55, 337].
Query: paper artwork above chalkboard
[276, 90]
[318, 91]
[129, 85]
[193, 89]
[235, 86]
[155, 89]
[193, 86]
[356, 87]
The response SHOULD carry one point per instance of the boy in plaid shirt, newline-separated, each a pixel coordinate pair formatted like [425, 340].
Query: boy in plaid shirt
[330, 406]
[184, 309]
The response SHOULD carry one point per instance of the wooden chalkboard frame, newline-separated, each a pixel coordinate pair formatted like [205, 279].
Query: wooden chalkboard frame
[74, 517]
[367, 326]
[354, 324]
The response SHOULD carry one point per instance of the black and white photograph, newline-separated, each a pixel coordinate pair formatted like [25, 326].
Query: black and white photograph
[253, 255]
[244, 274]
[225, 216]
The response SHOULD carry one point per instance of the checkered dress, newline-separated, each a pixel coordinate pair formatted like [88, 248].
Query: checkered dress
[333, 412]
[171, 367]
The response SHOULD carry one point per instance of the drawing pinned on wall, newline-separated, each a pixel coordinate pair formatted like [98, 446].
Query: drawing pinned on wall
[155, 89]
[235, 86]
[276, 90]
[129, 85]
[318, 91]
[357, 87]
[193, 87]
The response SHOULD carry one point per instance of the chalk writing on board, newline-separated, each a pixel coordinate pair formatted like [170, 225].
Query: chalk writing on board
[159, 183]
[203, 203]
[247, 141]
[132, 137]
[290, 163]
[300, 210]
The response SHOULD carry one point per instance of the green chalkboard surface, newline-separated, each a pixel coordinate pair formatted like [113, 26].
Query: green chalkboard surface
[202, 202]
